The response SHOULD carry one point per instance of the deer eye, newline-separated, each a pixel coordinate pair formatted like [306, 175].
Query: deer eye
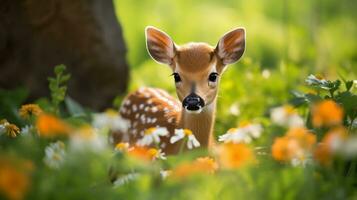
[177, 77]
[213, 77]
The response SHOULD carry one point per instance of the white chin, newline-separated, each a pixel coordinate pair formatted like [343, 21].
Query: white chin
[194, 111]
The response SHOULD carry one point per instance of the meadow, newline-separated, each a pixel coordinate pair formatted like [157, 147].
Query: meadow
[285, 125]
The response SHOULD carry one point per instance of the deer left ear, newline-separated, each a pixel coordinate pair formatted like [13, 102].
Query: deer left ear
[231, 46]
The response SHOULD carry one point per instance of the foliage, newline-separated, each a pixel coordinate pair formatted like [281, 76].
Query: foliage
[65, 153]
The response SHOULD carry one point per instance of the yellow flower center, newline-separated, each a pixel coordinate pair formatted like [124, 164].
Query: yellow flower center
[187, 132]
[149, 131]
[56, 156]
[319, 77]
[153, 152]
[244, 123]
[232, 130]
[121, 146]
[289, 110]
[111, 112]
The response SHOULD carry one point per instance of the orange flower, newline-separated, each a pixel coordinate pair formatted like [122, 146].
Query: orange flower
[330, 144]
[203, 165]
[50, 126]
[326, 113]
[28, 110]
[145, 154]
[280, 149]
[323, 154]
[232, 155]
[14, 179]
[295, 144]
[305, 139]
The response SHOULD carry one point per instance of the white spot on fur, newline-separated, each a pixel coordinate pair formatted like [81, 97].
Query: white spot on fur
[154, 109]
[141, 106]
[135, 108]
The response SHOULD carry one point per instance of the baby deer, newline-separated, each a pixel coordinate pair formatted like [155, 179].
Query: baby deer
[197, 68]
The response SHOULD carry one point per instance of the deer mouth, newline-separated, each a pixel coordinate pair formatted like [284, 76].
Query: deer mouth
[193, 109]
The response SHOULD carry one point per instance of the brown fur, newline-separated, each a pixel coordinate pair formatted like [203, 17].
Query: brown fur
[194, 57]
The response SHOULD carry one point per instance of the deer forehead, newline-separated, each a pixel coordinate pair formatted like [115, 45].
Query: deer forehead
[195, 57]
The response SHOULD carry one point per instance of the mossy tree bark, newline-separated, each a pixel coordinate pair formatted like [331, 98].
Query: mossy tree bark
[36, 35]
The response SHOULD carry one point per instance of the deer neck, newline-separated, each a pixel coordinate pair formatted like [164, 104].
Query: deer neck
[200, 124]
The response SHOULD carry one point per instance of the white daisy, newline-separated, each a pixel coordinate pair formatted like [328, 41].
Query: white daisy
[182, 133]
[152, 135]
[244, 133]
[157, 154]
[110, 119]
[165, 173]
[87, 138]
[125, 179]
[26, 130]
[286, 116]
[55, 155]
[315, 80]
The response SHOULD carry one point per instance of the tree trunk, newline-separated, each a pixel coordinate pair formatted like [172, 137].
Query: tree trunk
[36, 35]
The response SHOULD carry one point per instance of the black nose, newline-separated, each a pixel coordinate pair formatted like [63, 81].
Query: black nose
[193, 102]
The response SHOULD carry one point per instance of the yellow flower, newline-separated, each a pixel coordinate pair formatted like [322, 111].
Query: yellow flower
[122, 146]
[50, 126]
[203, 165]
[11, 130]
[326, 113]
[14, 178]
[28, 110]
[232, 155]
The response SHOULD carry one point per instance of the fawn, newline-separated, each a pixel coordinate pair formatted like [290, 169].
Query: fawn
[197, 68]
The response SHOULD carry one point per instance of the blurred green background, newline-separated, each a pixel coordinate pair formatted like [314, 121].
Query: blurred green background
[286, 41]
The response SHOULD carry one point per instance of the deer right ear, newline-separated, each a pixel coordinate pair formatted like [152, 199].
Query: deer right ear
[159, 45]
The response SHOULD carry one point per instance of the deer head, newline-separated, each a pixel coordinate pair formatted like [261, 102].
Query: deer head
[197, 67]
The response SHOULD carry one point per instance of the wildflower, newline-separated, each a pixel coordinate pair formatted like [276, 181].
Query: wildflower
[55, 154]
[244, 133]
[122, 146]
[295, 146]
[152, 135]
[326, 113]
[146, 154]
[203, 165]
[182, 133]
[87, 138]
[234, 109]
[29, 110]
[333, 142]
[233, 155]
[26, 130]
[112, 120]
[286, 116]
[315, 80]
[165, 173]
[14, 178]
[157, 154]
[50, 126]
[125, 179]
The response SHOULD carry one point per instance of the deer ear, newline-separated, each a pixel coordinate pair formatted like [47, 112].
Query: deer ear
[159, 45]
[231, 46]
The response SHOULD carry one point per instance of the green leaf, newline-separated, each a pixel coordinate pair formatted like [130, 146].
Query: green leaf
[348, 85]
[74, 108]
